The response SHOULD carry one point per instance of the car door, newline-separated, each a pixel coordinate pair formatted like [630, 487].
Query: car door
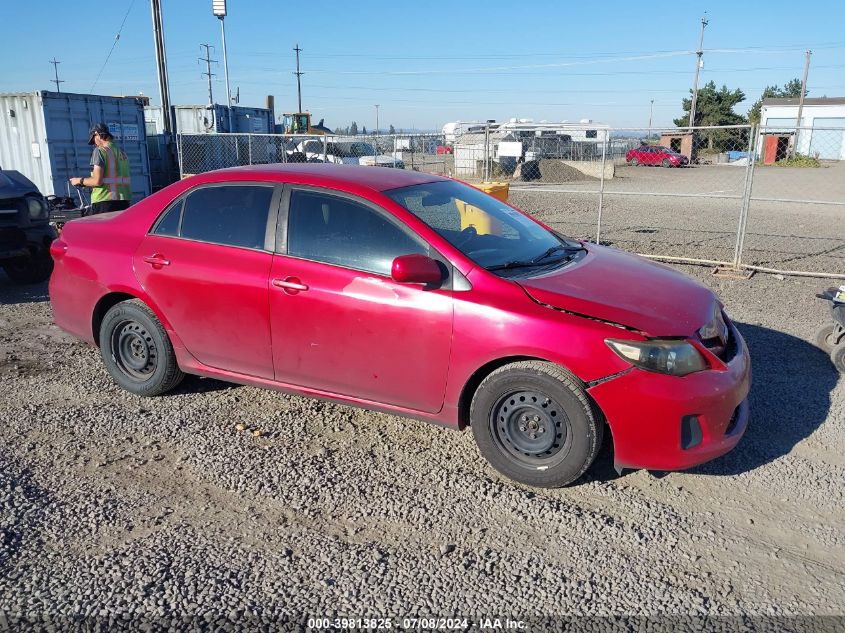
[339, 322]
[206, 263]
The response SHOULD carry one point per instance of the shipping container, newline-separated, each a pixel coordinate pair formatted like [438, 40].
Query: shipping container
[44, 135]
[197, 119]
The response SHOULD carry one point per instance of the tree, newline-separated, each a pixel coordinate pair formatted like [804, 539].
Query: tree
[392, 130]
[364, 130]
[353, 129]
[791, 88]
[715, 107]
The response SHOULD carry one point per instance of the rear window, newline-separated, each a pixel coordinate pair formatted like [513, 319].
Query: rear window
[231, 215]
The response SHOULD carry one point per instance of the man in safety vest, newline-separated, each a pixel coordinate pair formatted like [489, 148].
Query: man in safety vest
[111, 187]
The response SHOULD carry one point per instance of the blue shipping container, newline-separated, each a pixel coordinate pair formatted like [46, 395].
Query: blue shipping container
[44, 135]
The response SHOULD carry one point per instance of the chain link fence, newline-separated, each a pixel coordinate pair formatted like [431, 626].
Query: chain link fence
[200, 153]
[760, 198]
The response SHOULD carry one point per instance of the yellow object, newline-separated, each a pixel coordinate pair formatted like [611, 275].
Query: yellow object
[496, 189]
[474, 217]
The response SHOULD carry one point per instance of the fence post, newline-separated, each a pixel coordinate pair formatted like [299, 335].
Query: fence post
[486, 151]
[179, 154]
[249, 142]
[746, 195]
[325, 148]
[601, 182]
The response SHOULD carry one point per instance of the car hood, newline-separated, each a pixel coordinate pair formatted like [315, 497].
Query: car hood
[626, 289]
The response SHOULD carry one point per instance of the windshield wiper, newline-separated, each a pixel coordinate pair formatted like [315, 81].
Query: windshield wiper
[536, 261]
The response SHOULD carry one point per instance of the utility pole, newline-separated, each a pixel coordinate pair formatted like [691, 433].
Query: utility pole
[208, 61]
[218, 8]
[650, 112]
[298, 75]
[699, 62]
[807, 54]
[161, 67]
[58, 81]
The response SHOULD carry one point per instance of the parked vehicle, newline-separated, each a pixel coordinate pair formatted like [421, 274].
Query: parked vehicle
[414, 294]
[655, 155]
[443, 149]
[25, 231]
[348, 153]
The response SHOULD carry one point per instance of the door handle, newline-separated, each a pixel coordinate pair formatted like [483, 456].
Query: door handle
[291, 285]
[156, 261]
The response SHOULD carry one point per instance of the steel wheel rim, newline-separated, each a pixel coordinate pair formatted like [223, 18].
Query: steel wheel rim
[531, 428]
[133, 350]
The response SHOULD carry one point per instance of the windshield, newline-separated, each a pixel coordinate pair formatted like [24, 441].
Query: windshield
[486, 230]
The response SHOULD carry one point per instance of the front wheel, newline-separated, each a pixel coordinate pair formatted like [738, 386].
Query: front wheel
[837, 356]
[534, 423]
[634, 162]
[30, 270]
[827, 337]
[137, 351]
[666, 162]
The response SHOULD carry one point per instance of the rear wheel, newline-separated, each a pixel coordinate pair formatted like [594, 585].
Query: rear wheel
[137, 351]
[534, 423]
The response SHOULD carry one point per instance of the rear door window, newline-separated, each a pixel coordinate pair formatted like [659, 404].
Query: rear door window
[231, 215]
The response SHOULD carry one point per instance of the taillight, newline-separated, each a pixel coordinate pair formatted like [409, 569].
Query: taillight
[58, 248]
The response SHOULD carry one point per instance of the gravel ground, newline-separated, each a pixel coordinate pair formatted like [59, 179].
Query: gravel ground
[117, 506]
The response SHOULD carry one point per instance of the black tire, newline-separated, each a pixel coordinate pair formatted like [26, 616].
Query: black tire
[635, 161]
[837, 356]
[824, 339]
[30, 270]
[137, 351]
[533, 421]
[666, 162]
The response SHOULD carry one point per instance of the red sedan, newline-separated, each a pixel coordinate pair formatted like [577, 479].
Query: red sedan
[655, 155]
[413, 294]
[443, 149]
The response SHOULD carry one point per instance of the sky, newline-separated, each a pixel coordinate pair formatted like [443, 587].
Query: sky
[427, 63]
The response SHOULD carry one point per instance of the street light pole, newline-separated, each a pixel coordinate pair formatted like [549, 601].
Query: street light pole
[376, 143]
[650, 113]
[218, 8]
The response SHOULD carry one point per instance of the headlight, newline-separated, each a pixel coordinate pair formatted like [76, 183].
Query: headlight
[37, 208]
[676, 358]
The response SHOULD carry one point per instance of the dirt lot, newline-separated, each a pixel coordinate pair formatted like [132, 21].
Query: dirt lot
[117, 506]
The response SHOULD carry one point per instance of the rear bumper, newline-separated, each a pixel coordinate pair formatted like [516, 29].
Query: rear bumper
[664, 422]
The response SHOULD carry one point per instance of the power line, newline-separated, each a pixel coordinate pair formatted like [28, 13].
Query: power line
[116, 38]
[56, 81]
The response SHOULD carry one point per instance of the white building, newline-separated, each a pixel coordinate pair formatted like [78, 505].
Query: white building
[821, 132]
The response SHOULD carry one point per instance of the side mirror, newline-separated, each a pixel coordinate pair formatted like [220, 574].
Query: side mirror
[416, 269]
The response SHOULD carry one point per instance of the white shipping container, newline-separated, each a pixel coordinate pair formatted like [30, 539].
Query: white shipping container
[44, 135]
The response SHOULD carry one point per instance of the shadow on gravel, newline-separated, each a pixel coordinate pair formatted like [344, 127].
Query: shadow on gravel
[21, 293]
[790, 398]
[200, 384]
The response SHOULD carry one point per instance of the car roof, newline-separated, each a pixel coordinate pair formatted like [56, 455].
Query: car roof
[322, 174]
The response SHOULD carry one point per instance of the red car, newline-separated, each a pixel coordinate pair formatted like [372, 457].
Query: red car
[443, 149]
[413, 294]
[655, 155]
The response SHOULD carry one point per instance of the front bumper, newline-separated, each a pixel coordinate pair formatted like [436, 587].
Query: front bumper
[646, 412]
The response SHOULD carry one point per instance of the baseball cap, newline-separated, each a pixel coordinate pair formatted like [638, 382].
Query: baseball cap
[99, 128]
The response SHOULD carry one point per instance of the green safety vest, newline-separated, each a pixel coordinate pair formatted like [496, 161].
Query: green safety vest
[116, 182]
